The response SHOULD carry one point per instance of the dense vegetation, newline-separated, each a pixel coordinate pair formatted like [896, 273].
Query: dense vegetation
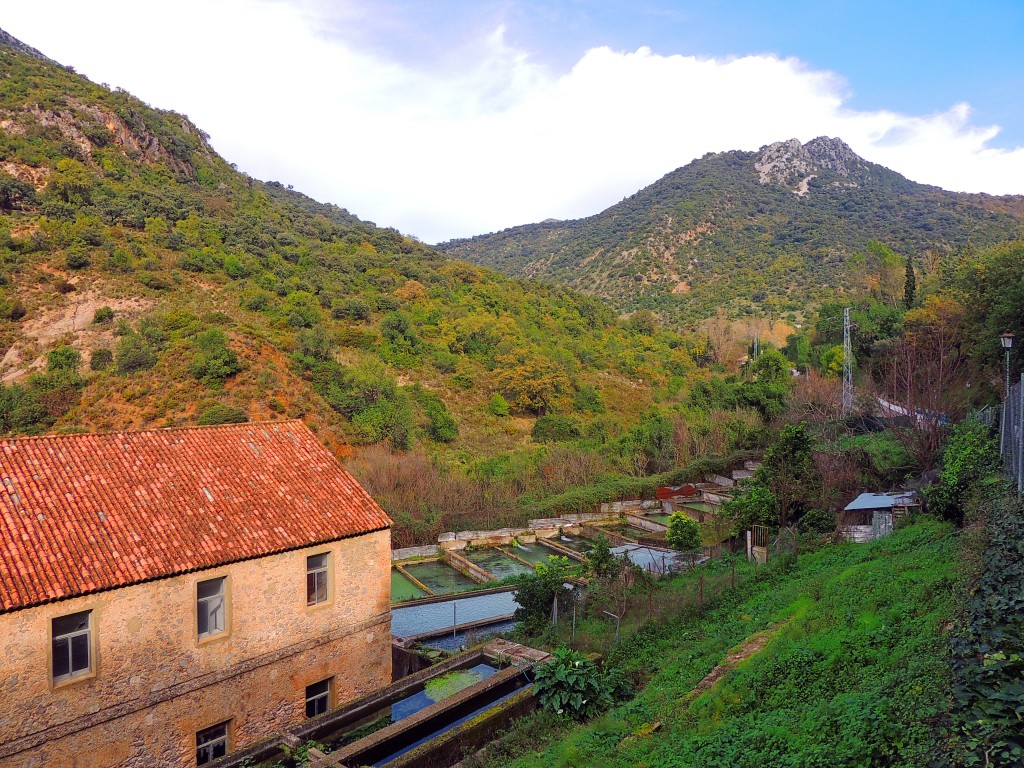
[711, 235]
[855, 670]
[146, 283]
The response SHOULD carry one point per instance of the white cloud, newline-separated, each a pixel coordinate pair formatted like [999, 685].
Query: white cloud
[487, 138]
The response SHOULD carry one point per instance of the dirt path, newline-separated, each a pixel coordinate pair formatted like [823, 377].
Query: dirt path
[752, 645]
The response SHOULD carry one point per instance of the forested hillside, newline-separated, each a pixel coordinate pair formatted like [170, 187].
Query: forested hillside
[770, 233]
[144, 282]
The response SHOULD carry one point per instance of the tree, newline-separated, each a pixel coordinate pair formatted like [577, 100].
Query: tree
[771, 366]
[910, 285]
[529, 381]
[789, 471]
[923, 376]
[14, 193]
[71, 182]
[832, 362]
[756, 505]
[601, 560]
[536, 594]
[683, 533]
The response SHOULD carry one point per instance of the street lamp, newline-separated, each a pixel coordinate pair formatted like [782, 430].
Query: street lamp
[1006, 339]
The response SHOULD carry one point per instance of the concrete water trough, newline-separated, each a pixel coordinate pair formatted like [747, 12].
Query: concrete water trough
[398, 725]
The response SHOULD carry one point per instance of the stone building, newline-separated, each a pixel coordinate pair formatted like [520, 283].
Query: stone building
[168, 596]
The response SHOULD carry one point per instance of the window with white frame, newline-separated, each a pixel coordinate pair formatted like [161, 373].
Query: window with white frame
[72, 645]
[212, 743]
[316, 579]
[318, 697]
[211, 607]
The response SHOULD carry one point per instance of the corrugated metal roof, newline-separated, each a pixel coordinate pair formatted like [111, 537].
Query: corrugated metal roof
[82, 513]
[881, 501]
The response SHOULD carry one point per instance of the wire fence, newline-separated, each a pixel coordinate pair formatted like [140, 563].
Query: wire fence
[1011, 434]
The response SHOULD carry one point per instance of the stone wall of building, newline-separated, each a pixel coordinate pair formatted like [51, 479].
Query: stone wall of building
[155, 684]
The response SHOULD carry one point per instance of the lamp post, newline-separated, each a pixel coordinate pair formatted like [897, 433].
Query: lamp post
[1006, 339]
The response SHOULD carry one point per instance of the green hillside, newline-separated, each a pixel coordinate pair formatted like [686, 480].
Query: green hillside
[144, 282]
[770, 233]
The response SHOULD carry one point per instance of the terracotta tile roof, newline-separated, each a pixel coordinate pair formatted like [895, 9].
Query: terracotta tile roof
[81, 513]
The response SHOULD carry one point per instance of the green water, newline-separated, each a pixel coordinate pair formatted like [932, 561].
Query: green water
[440, 578]
[533, 553]
[703, 506]
[578, 543]
[623, 529]
[663, 519]
[402, 589]
[496, 563]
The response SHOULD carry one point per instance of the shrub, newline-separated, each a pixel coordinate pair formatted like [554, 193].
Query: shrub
[588, 400]
[77, 257]
[969, 454]
[498, 405]
[101, 359]
[134, 354]
[214, 361]
[441, 425]
[818, 521]
[444, 360]
[554, 428]
[11, 308]
[103, 315]
[355, 309]
[63, 359]
[222, 414]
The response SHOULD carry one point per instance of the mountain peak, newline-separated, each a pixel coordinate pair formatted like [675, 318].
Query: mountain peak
[12, 42]
[785, 162]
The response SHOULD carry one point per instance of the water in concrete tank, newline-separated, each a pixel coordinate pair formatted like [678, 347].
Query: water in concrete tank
[440, 577]
[533, 553]
[416, 619]
[403, 589]
[496, 563]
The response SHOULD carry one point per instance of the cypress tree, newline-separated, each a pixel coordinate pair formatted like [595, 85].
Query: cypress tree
[910, 287]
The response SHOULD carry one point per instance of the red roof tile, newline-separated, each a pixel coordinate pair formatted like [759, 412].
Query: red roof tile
[80, 513]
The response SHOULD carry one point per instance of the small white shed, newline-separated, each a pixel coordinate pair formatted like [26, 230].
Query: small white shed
[871, 515]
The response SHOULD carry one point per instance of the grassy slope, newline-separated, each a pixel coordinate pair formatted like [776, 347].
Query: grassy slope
[857, 676]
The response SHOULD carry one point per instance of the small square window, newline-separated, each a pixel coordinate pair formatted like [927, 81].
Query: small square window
[72, 646]
[212, 743]
[318, 697]
[316, 579]
[211, 608]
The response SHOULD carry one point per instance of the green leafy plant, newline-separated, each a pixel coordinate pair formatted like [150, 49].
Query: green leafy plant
[572, 684]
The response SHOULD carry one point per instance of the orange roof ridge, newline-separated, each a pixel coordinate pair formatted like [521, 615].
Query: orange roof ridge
[86, 512]
[179, 428]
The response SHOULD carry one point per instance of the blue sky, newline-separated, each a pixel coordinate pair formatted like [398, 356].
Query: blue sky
[454, 118]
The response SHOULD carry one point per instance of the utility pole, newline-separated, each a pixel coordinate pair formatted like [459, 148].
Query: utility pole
[756, 345]
[847, 365]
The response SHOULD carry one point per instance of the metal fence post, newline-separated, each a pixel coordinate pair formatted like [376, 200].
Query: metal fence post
[1020, 437]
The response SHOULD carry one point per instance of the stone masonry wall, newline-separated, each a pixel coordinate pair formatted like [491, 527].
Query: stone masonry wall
[155, 684]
